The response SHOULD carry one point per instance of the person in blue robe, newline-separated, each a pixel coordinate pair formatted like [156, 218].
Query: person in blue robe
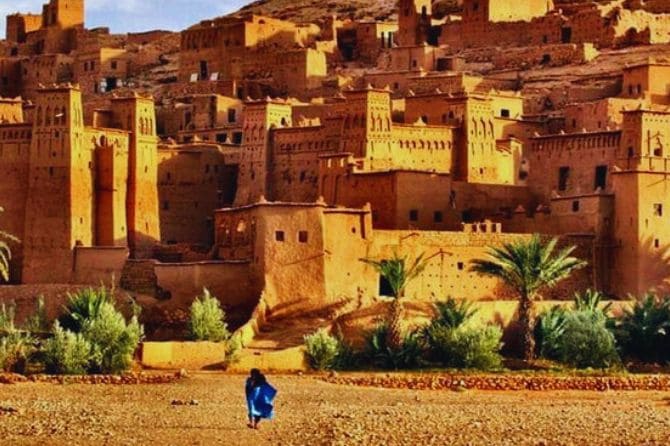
[260, 398]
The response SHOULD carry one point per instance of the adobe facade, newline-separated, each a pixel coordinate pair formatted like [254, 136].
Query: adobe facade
[282, 154]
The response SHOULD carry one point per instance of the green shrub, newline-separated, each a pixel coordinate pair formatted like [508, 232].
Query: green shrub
[7, 316]
[452, 313]
[92, 315]
[591, 300]
[84, 305]
[208, 320]
[38, 321]
[471, 346]
[322, 350]
[15, 350]
[233, 350]
[113, 340]
[643, 332]
[379, 354]
[66, 353]
[587, 342]
[549, 328]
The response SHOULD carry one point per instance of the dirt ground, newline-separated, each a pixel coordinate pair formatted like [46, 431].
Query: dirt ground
[312, 412]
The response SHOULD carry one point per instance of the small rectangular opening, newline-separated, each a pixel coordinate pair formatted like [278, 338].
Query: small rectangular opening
[303, 236]
[575, 206]
[563, 176]
[504, 113]
[279, 236]
[658, 210]
[413, 215]
[438, 217]
[601, 177]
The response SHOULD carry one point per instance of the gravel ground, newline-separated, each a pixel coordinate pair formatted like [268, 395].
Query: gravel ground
[316, 413]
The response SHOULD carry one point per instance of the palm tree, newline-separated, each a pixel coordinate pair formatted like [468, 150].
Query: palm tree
[528, 267]
[398, 272]
[5, 252]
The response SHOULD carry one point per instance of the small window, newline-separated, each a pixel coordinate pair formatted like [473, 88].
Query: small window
[658, 210]
[460, 266]
[166, 205]
[438, 217]
[232, 115]
[279, 236]
[505, 113]
[601, 177]
[303, 236]
[563, 176]
[575, 206]
[657, 243]
[413, 215]
[114, 65]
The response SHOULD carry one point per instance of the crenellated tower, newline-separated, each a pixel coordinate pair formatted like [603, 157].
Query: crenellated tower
[260, 119]
[137, 115]
[59, 210]
[414, 22]
[641, 183]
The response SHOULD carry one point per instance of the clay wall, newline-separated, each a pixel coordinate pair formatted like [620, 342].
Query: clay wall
[641, 232]
[594, 215]
[59, 211]
[285, 244]
[647, 82]
[102, 70]
[137, 115]
[451, 254]
[547, 55]
[19, 25]
[415, 58]
[365, 41]
[598, 115]
[294, 175]
[217, 46]
[11, 111]
[110, 158]
[10, 76]
[212, 118]
[193, 181]
[230, 282]
[98, 265]
[45, 70]
[15, 142]
[572, 164]
[291, 72]
[422, 147]
[504, 10]
[414, 20]
[259, 119]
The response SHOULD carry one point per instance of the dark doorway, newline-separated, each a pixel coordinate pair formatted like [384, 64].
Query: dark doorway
[601, 177]
[112, 83]
[563, 176]
[204, 71]
[566, 35]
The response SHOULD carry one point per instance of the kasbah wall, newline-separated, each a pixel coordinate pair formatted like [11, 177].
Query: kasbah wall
[283, 197]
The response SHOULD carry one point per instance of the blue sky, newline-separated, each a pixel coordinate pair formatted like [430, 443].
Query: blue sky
[134, 15]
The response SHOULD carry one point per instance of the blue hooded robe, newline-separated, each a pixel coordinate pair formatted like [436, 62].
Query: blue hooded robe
[260, 400]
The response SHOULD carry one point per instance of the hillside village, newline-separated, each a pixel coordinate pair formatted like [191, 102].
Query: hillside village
[263, 158]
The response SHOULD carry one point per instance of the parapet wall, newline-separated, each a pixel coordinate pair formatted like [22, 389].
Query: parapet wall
[231, 282]
[99, 265]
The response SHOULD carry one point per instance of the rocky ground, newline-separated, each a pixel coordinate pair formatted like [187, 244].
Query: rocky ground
[209, 409]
